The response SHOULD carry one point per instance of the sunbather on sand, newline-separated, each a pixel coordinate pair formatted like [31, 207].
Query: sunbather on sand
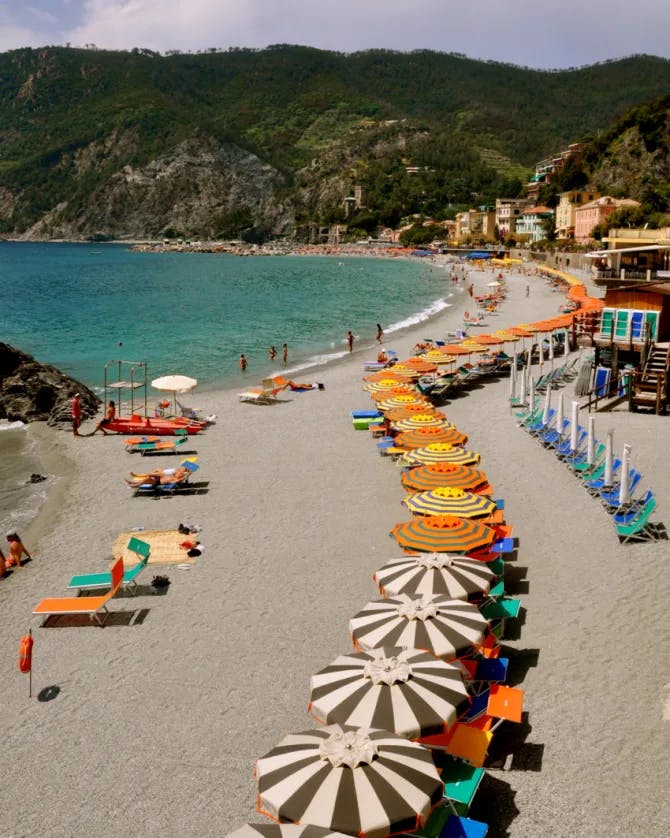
[160, 477]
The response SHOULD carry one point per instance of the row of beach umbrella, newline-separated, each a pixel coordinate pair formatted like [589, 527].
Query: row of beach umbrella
[365, 772]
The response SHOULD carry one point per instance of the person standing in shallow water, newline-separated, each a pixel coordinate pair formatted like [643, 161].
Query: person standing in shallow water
[243, 363]
[272, 353]
[284, 353]
[380, 333]
[350, 340]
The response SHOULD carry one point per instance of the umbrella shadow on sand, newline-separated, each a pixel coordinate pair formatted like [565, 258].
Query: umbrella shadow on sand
[494, 805]
[510, 750]
[520, 661]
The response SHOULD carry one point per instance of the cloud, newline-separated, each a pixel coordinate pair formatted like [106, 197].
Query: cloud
[524, 32]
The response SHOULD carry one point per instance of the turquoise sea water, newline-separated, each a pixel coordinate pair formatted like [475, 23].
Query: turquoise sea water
[79, 306]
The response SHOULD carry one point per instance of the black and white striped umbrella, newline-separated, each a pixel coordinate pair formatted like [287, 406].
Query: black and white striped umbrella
[448, 628]
[442, 574]
[360, 781]
[282, 830]
[408, 691]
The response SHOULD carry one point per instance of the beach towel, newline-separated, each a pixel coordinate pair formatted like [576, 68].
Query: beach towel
[165, 547]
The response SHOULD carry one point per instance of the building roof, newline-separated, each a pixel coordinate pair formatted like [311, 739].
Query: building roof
[607, 200]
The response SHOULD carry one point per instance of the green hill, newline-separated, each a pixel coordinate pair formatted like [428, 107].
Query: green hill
[123, 144]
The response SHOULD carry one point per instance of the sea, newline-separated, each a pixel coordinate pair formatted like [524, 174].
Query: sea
[81, 307]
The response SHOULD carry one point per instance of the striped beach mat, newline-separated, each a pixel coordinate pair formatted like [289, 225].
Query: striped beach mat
[165, 547]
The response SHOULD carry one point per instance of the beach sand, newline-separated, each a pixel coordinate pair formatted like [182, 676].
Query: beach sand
[160, 716]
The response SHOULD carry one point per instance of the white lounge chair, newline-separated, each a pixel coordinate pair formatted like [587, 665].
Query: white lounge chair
[265, 394]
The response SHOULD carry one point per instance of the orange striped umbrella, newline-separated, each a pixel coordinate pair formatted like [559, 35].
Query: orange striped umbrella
[519, 332]
[419, 437]
[385, 385]
[401, 400]
[401, 390]
[431, 476]
[421, 420]
[455, 349]
[442, 534]
[414, 370]
[449, 500]
[489, 340]
[440, 452]
[473, 346]
[395, 414]
[383, 374]
[437, 356]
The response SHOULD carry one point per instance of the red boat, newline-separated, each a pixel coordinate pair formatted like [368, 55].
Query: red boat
[154, 425]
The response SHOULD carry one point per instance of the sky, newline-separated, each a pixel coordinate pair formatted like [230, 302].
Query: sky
[530, 33]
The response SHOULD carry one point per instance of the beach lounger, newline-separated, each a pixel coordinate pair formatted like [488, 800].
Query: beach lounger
[95, 606]
[149, 445]
[461, 827]
[157, 488]
[461, 782]
[610, 497]
[94, 581]
[265, 394]
[639, 528]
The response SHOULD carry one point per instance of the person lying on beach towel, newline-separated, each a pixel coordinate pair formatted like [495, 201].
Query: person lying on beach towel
[159, 477]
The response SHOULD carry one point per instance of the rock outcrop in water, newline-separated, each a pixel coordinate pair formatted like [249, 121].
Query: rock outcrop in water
[30, 391]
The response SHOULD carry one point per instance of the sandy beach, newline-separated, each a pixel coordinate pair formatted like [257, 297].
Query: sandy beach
[161, 714]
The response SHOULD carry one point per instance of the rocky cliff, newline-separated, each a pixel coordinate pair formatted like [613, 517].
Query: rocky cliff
[31, 391]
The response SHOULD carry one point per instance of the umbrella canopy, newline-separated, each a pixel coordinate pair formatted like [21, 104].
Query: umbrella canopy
[437, 452]
[434, 574]
[419, 363]
[407, 691]
[421, 420]
[473, 346]
[394, 414]
[437, 356]
[506, 337]
[420, 437]
[174, 383]
[403, 390]
[385, 384]
[442, 534]
[520, 333]
[455, 349]
[424, 478]
[489, 340]
[449, 500]
[360, 781]
[448, 628]
[282, 830]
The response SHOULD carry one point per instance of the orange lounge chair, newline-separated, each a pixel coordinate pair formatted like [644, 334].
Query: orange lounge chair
[83, 605]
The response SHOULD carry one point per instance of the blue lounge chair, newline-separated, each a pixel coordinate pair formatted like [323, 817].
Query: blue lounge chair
[166, 488]
[94, 581]
[639, 528]
[594, 486]
[610, 497]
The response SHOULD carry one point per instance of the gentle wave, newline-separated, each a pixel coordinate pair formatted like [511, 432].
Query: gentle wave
[420, 316]
[13, 426]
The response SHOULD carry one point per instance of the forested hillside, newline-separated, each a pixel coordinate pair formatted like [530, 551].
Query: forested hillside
[122, 144]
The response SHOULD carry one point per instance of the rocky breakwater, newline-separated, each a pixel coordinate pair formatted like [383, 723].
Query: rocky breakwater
[30, 391]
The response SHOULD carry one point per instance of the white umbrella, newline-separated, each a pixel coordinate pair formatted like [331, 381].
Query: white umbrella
[493, 284]
[624, 489]
[174, 384]
[591, 441]
[574, 426]
[531, 391]
[551, 349]
[512, 378]
[522, 386]
[560, 411]
[609, 457]
[547, 406]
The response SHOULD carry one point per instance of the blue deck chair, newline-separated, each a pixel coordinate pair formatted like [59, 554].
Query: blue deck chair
[461, 827]
[626, 515]
[601, 382]
[594, 486]
[610, 497]
[639, 527]
[94, 581]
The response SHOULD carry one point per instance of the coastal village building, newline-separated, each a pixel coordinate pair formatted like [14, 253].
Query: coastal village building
[477, 224]
[568, 204]
[508, 212]
[635, 322]
[531, 227]
[592, 214]
[546, 169]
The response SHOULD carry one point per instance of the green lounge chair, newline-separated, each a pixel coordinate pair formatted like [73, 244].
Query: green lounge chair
[639, 528]
[94, 581]
[461, 782]
[161, 446]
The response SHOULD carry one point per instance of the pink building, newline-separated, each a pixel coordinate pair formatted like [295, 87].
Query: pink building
[595, 212]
